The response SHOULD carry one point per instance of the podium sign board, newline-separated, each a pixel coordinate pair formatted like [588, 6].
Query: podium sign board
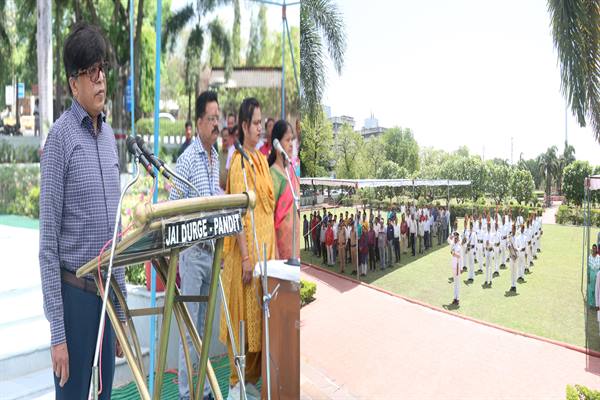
[188, 231]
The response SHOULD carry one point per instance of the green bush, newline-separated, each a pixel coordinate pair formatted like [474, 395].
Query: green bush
[19, 189]
[579, 392]
[145, 126]
[136, 274]
[574, 216]
[18, 154]
[307, 292]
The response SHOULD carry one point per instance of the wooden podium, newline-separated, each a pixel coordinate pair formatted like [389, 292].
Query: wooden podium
[284, 332]
[161, 231]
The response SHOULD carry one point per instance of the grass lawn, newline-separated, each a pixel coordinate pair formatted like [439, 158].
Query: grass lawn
[549, 303]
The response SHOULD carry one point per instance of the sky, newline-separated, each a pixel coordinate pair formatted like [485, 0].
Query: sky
[458, 72]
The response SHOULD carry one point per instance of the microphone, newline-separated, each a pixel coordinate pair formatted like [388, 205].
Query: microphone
[239, 148]
[136, 152]
[157, 162]
[280, 149]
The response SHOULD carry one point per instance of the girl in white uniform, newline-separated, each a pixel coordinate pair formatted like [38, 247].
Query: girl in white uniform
[456, 250]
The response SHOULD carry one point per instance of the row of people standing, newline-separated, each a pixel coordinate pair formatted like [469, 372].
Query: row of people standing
[493, 242]
[273, 214]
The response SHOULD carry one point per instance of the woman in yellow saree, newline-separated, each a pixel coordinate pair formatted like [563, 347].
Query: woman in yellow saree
[243, 291]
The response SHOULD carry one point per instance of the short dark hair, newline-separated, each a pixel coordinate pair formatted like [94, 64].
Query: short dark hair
[231, 115]
[245, 115]
[205, 97]
[188, 123]
[84, 47]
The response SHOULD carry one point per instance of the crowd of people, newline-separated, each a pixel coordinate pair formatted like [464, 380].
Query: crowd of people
[372, 240]
[492, 241]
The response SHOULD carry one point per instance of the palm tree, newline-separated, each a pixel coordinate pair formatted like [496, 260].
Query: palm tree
[576, 32]
[195, 44]
[564, 160]
[320, 20]
[548, 164]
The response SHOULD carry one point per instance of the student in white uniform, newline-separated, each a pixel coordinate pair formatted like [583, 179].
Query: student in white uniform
[521, 244]
[463, 245]
[455, 251]
[488, 245]
[528, 253]
[497, 237]
[513, 254]
[471, 249]
[504, 232]
[480, 239]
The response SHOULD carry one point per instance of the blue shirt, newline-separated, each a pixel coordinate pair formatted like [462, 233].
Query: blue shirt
[194, 166]
[79, 195]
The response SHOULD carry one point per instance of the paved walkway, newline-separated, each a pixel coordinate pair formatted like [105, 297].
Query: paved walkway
[549, 215]
[361, 343]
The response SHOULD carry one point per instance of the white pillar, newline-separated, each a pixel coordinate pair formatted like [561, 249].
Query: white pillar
[44, 62]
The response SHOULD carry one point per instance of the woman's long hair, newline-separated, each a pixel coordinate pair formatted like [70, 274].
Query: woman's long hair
[279, 130]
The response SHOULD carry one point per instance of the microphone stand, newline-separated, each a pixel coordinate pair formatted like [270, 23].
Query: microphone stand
[93, 391]
[293, 260]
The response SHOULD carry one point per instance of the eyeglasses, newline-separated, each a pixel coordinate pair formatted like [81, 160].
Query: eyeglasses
[93, 72]
[212, 118]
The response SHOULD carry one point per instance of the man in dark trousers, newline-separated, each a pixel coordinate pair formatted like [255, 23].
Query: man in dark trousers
[79, 195]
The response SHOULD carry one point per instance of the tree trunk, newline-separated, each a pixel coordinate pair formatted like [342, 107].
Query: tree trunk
[59, 88]
[44, 60]
[137, 50]
[78, 14]
[117, 99]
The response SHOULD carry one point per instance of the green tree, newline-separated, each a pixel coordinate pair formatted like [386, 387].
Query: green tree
[402, 148]
[548, 166]
[348, 147]
[371, 158]
[576, 32]
[220, 41]
[471, 169]
[521, 184]
[574, 176]
[320, 21]
[390, 170]
[499, 181]
[565, 159]
[235, 34]
[317, 141]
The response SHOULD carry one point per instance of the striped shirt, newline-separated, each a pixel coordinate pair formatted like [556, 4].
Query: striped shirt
[78, 201]
[194, 166]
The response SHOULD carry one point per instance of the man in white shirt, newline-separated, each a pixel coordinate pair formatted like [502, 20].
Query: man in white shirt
[455, 251]
[488, 245]
[396, 239]
[497, 237]
[471, 249]
[412, 226]
[479, 254]
[521, 241]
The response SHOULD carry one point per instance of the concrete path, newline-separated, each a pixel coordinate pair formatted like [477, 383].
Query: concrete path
[549, 215]
[366, 344]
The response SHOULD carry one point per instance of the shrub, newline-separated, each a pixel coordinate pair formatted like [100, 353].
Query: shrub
[19, 189]
[145, 126]
[574, 216]
[10, 153]
[307, 292]
[136, 274]
[579, 392]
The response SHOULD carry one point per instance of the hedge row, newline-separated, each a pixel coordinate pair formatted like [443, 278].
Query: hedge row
[20, 189]
[574, 215]
[10, 153]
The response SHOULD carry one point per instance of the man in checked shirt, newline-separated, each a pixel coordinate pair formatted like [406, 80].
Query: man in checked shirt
[78, 201]
[199, 164]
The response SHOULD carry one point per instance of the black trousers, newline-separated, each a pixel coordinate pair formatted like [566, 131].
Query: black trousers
[372, 257]
[397, 249]
[412, 243]
[81, 319]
